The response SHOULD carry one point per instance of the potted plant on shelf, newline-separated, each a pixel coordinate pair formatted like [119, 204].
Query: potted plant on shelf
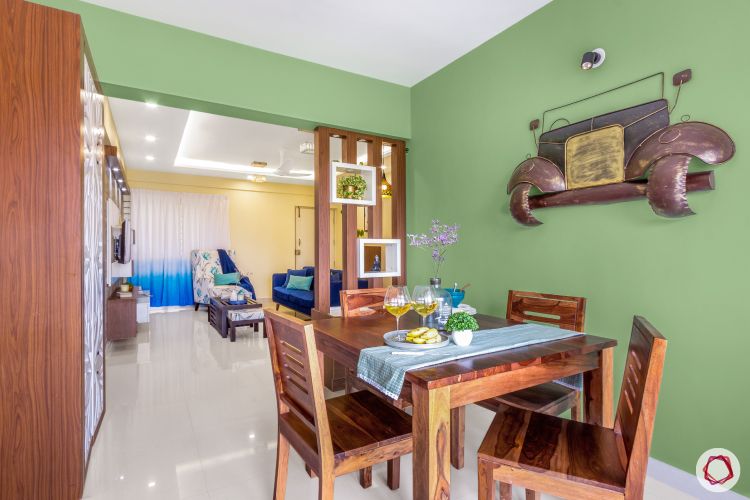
[440, 237]
[461, 326]
[351, 187]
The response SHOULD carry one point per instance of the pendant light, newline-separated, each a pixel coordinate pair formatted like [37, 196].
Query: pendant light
[385, 186]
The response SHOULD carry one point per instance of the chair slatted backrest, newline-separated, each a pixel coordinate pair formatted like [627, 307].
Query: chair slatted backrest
[296, 370]
[560, 310]
[639, 395]
[361, 302]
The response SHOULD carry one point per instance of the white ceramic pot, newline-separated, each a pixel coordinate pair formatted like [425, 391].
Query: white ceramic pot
[462, 337]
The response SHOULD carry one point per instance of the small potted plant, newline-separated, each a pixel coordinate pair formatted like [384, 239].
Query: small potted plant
[461, 325]
[351, 187]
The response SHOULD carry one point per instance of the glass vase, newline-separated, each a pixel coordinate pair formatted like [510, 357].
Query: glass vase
[439, 318]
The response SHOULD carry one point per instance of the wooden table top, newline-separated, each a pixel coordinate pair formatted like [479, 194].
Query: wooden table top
[344, 338]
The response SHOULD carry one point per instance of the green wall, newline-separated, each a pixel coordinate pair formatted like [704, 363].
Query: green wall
[137, 58]
[689, 276]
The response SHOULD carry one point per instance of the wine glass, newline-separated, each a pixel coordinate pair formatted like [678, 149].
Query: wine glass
[397, 301]
[425, 301]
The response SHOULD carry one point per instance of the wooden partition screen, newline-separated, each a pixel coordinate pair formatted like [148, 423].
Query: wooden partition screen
[349, 141]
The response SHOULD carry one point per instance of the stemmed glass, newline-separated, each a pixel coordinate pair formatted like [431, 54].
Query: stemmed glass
[425, 301]
[397, 301]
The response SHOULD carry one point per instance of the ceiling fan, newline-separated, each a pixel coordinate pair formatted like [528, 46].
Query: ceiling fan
[287, 169]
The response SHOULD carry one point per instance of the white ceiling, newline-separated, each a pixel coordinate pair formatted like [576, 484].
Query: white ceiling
[195, 143]
[399, 41]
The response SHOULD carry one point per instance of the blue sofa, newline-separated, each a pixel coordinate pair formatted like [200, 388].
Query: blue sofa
[304, 300]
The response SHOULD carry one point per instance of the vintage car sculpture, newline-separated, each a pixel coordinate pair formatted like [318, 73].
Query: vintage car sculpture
[622, 155]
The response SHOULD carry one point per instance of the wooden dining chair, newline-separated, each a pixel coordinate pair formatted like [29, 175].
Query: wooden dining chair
[335, 436]
[557, 310]
[577, 460]
[362, 302]
[358, 303]
[354, 304]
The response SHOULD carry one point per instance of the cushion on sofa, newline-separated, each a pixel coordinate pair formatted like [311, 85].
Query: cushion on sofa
[293, 272]
[299, 283]
[226, 279]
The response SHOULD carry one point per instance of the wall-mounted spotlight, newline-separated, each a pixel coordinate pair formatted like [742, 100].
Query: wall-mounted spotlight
[593, 59]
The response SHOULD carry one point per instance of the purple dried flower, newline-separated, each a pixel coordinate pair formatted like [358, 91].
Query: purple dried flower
[440, 237]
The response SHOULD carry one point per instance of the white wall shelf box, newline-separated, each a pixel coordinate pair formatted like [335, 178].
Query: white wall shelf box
[338, 169]
[390, 257]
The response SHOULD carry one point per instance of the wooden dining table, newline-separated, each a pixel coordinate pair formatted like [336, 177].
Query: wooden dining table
[439, 393]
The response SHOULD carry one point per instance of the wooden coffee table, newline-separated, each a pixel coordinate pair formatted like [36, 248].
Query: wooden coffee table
[218, 316]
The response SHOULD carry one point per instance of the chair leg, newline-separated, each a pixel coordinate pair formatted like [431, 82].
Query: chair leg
[575, 410]
[458, 427]
[282, 467]
[325, 486]
[394, 473]
[277, 306]
[365, 477]
[197, 305]
[506, 491]
[486, 483]
[533, 495]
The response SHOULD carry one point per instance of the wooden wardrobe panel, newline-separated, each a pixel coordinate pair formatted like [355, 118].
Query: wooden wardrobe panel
[41, 364]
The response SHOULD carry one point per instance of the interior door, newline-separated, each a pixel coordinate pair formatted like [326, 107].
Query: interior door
[304, 237]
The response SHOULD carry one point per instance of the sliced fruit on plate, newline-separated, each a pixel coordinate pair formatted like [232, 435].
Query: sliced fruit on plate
[430, 334]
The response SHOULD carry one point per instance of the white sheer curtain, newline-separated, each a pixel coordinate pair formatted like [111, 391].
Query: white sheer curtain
[168, 226]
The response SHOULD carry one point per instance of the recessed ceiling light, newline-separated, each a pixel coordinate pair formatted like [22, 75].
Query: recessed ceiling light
[150, 158]
[115, 169]
[151, 484]
[151, 104]
[150, 138]
[120, 181]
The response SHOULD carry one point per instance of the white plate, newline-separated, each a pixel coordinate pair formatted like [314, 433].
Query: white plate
[396, 339]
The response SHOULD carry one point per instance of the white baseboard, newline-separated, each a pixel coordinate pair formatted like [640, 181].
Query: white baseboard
[685, 482]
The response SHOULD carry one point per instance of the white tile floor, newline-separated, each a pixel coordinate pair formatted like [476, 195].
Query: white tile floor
[192, 416]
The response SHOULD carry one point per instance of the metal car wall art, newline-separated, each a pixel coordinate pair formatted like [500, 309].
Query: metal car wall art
[618, 156]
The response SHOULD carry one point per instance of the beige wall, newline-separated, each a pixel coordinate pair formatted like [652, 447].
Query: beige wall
[261, 218]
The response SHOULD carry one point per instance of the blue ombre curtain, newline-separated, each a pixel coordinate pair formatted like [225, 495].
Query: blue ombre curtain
[167, 226]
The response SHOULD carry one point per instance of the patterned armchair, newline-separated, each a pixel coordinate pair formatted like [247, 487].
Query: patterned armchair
[205, 264]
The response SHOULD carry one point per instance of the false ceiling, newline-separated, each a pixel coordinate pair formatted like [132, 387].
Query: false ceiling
[163, 139]
[401, 42]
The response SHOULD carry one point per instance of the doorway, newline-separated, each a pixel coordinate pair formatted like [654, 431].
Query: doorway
[304, 237]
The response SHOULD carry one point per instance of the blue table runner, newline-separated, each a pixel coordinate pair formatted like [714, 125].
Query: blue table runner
[386, 371]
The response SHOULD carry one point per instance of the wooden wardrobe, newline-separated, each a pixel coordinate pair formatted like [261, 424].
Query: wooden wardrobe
[51, 253]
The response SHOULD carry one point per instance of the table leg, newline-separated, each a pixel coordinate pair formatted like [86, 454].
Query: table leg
[431, 432]
[597, 391]
[322, 363]
[458, 427]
